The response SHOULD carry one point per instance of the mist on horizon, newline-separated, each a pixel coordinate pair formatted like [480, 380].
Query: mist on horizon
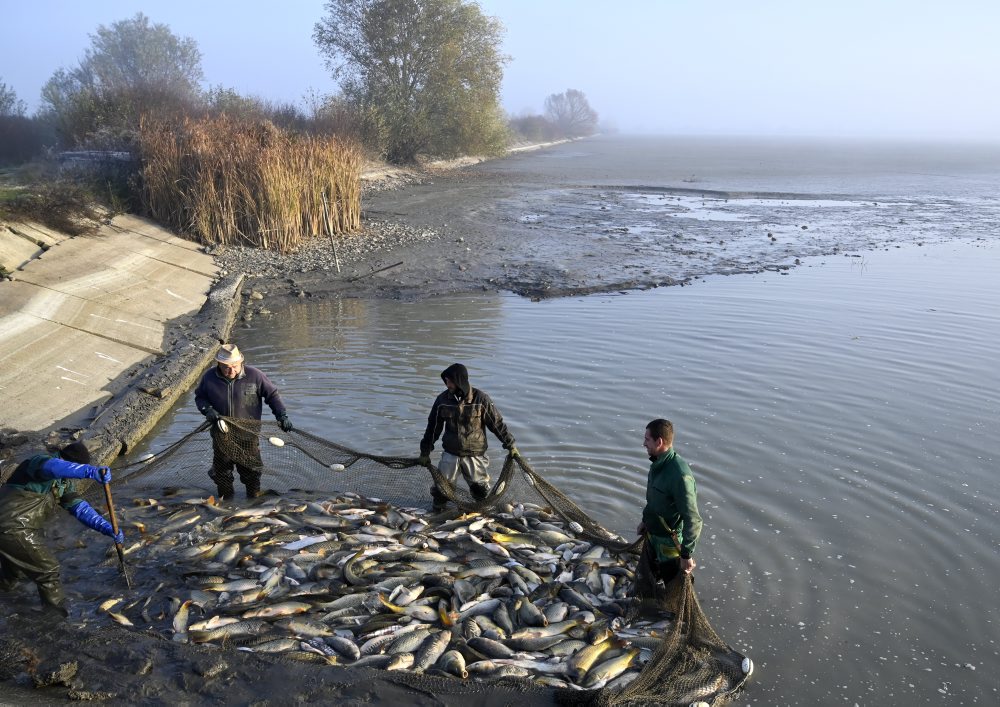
[885, 71]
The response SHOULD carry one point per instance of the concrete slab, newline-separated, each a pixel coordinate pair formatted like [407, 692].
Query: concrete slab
[145, 227]
[166, 248]
[15, 250]
[38, 232]
[77, 318]
[105, 271]
[61, 308]
[49, 372]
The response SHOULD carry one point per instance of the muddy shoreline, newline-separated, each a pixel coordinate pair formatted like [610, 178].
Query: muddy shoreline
[434, 234]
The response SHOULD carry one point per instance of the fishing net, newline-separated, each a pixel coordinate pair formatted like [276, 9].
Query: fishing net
[677, 658]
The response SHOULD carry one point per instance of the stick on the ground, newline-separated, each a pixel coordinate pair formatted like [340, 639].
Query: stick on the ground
[369, 274]
[329, 230]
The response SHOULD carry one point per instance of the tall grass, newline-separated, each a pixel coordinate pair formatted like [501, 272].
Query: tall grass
[230, 182]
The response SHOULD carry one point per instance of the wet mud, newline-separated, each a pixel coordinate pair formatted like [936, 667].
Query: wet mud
[486, 228]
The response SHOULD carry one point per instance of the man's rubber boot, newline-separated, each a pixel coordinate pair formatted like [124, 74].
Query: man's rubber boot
[7, 583]
[55, 610]
[225, 493]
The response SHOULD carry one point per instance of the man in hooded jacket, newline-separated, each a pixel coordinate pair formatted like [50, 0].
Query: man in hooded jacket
[463, 414]
[27, 500]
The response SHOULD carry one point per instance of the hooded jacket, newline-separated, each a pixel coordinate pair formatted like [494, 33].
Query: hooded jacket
[463, 417]
[240, 397]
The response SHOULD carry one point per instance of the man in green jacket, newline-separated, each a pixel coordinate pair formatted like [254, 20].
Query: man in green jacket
[27, 501]
[670, 518]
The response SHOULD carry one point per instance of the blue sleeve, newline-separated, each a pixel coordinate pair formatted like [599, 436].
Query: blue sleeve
[85, 513]
[56, 468]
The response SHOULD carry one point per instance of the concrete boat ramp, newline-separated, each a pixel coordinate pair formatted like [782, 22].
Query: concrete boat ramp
[82, 316]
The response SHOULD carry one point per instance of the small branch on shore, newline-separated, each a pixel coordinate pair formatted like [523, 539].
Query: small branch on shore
[374, 272]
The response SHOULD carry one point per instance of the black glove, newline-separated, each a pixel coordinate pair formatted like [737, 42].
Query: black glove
[211, 414]
[424, 460]
[285, 424]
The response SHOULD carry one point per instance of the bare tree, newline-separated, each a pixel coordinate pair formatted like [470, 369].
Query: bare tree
[571, 113]
[10, 104]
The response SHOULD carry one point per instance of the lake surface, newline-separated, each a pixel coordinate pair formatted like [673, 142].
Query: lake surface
[840, 418]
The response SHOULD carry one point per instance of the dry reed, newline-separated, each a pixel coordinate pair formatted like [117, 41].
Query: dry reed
[230, 182]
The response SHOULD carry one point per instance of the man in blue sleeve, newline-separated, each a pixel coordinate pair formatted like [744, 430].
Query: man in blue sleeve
[232, 389]
[670, 518]
[27, 500]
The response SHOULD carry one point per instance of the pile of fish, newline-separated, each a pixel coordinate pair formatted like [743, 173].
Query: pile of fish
[355, 581]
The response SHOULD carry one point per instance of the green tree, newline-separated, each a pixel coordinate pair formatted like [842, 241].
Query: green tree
[132, 67]
[571, 113]
[424, 75]
[10, 104]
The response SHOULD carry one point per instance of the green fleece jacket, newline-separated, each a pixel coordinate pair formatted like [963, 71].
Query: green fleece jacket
[671, 504]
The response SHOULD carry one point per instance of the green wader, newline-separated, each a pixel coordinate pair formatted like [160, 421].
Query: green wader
[23, 553]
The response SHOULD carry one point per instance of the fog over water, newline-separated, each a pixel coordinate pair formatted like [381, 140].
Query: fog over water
[840, 417]
[889, 69]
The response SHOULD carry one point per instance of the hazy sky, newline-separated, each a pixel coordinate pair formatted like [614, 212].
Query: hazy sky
[878, 68]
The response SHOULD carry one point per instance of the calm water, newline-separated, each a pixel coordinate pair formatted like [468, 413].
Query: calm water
[840, 420]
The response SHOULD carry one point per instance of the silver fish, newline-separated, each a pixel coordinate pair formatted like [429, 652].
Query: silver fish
[249, 627]
[287, 608]
[344, 646]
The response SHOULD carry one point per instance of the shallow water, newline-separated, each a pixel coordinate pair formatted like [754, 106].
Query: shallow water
[840, 419]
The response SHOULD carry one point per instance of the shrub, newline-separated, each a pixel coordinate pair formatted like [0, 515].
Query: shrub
[21, 138]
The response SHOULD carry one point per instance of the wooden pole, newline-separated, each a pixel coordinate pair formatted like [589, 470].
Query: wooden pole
[114, 527]
[329, 229]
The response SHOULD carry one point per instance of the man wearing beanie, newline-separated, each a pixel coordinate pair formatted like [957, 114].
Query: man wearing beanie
[235, 390]
[27, 500]
[463, 414]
